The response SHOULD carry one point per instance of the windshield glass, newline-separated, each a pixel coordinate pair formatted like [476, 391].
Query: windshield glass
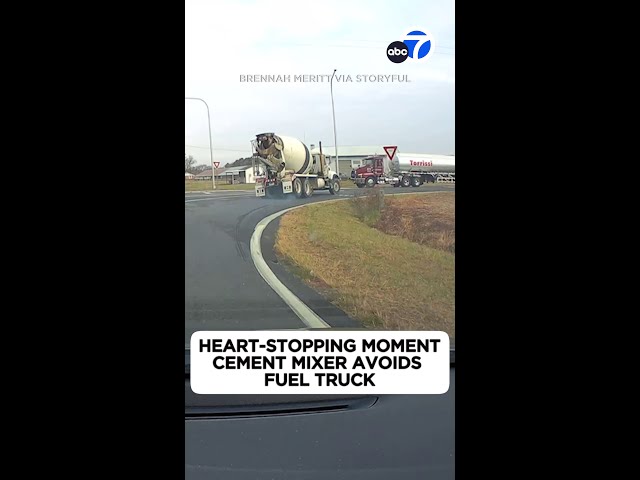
[282, 104]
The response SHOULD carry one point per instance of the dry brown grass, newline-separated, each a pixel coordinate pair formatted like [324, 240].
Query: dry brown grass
[385, 281]
[368, 207]
[424, 219]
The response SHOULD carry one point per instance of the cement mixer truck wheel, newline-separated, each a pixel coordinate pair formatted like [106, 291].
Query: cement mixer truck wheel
[307, 189]
[405, 181]
[371, 182]
[415, 182]
[334, 186]
[297, 188]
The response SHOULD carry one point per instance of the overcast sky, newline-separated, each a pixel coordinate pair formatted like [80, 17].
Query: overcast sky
[225, 39]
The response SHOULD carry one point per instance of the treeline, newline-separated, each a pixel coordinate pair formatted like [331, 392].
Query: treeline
[241, 162]
[191, 167]
[198, 169]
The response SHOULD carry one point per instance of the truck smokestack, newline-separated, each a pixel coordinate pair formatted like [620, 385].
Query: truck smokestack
[320, 143]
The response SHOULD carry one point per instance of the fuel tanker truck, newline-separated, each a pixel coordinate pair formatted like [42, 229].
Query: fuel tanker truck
[404, 170]
[284, 165]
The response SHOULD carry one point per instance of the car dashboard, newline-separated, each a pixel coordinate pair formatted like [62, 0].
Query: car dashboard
[319, 436]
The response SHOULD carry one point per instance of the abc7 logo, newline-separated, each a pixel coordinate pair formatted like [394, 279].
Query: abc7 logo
[398, 52]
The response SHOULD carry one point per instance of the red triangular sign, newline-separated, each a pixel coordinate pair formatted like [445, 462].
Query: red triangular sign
[216, 164]
[390, 151]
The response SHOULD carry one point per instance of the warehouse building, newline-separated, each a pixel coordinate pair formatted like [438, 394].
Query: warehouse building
[243, 174]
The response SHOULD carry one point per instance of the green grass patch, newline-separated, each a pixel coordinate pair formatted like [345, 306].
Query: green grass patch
[385, 281]
[206, 185]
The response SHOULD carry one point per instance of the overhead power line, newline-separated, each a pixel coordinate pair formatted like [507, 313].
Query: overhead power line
[222, 149]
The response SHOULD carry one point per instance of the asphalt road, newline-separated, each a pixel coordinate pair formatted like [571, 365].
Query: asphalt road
[223, 290]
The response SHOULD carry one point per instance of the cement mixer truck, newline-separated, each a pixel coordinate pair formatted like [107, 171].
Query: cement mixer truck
[284, 165]
[404, 170]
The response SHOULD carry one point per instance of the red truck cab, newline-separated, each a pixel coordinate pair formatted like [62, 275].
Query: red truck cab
[371, 173]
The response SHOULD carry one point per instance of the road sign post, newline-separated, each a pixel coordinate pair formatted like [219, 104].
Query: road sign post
[215, 165]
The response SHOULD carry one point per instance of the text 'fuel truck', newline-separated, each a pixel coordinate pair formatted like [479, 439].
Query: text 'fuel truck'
[284, 165]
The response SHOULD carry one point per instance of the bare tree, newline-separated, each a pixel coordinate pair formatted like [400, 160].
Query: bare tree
[189, 162]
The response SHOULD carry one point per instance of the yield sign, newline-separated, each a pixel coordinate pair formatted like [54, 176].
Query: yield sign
[390, 151]
[216, 164]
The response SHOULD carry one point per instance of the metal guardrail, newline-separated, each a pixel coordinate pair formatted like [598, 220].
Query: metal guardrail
[442, 179]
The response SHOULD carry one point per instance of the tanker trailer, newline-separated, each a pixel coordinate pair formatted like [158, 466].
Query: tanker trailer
[409, 169]
[284, 165]
[414, 169]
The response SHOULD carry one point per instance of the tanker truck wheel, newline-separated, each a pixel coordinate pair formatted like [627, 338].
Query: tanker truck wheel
[405, 181]
[297, 188]
[307, 189]
[371, 182]
[334, 186]
[415, 181]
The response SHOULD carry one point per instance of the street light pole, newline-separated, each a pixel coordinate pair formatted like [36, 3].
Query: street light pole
[335, 141]
[213, 170]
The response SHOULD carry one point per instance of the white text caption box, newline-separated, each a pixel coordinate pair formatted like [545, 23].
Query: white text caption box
[320, 362]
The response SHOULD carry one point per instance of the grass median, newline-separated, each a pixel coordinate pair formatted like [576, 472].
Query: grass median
[206, 186]
[371, 261]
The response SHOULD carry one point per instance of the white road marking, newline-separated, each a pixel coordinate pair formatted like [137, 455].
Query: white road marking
[304, 313]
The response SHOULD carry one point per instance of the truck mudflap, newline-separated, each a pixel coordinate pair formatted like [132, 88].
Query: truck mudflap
[287, 187]
[260, 190]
